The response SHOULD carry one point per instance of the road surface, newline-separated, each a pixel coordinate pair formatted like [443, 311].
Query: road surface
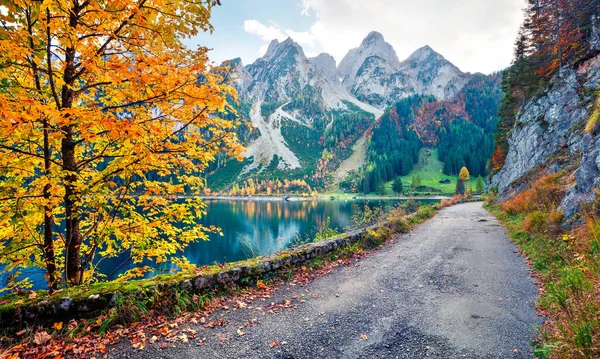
[455, 287]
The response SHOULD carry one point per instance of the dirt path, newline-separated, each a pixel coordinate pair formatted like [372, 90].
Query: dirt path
[453, 288]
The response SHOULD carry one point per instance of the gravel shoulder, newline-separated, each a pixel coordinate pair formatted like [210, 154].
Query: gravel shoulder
[455, 287]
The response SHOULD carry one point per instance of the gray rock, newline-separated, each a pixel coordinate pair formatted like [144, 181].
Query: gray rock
[265, 267]
[203, 282]
[549, 125]
[187, 285]
[114, 298]
[65, 303]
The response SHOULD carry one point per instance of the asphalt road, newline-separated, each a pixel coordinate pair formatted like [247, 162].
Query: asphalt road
[454, 287]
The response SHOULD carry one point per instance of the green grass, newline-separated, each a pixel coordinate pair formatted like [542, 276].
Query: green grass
[430, 169]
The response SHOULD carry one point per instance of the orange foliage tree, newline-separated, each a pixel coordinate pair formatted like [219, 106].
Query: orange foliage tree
[106, 119]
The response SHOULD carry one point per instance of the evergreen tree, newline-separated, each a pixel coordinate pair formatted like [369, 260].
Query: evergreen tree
[479, 185]
[397, 185]
[460, 187]
[381, 189]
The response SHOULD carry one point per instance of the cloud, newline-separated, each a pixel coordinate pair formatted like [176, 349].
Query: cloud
[476, 35]
[263, 31]
[274, 32]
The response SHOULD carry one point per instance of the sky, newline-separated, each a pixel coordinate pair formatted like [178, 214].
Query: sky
[475, 35]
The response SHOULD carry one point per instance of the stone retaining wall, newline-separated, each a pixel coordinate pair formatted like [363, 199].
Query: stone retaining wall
[67, 308]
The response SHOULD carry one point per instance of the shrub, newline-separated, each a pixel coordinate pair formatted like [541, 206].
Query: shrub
[457, 198]
[554, 221]
[545, 194]
[410, 205]
[399, 224]
[535, 222]
[374, 237]
[425, 212]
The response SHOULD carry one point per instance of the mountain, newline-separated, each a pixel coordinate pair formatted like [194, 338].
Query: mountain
[372, 73]
[285, 87]
[313, 120]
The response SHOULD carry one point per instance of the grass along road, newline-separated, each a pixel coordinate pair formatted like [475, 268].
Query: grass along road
[454, 287]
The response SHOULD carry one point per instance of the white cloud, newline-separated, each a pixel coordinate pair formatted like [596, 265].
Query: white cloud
[274, 32]
[476, 35]
[263, 31]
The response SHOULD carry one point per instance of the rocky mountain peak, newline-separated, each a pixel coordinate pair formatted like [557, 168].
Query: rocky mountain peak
[425, 54]
[326, 64]
[374, 45]
[372, 38]
[277, 49]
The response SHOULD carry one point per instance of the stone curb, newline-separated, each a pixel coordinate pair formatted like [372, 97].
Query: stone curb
[68, 308]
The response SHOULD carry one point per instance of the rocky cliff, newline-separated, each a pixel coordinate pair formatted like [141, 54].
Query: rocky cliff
[549, 136]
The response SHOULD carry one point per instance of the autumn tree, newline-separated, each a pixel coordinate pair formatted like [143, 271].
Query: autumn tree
[107, 119]
[464, 174]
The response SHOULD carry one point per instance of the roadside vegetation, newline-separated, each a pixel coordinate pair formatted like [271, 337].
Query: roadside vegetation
[157, 310]
[566, 262]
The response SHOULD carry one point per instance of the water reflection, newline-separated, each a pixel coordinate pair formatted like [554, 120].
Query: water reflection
[250, 228]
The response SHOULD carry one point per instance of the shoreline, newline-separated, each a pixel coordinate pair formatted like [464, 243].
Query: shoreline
[322, 198]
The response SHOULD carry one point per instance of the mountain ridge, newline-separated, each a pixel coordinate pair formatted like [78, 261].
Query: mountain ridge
[289, 98]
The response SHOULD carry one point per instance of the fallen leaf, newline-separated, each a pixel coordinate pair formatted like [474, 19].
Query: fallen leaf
[239, 332]
[72, 324]
[274, 344]
[164, 346]
[32, 295]
[58, 325]
[363, 336]
[41, 338]
[261, 285]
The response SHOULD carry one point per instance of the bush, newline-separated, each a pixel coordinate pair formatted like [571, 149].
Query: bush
[374, 237]
[425, 212]
[544, 195]
[410, 205]
[457, 198]
[535, 222]
[399, 224]
[554, 221]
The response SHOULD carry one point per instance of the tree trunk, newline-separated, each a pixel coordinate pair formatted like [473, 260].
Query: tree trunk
[48, 240]
[73, 237]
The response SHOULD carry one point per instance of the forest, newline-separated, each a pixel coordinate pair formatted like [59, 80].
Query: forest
[461, 128]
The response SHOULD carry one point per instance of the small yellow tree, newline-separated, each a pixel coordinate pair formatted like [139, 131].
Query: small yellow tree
[106, 120]
[464, 174]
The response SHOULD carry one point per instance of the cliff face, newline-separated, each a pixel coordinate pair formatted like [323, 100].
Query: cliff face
[549, 136]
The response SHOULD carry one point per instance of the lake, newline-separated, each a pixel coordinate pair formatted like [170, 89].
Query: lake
[251, 228]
